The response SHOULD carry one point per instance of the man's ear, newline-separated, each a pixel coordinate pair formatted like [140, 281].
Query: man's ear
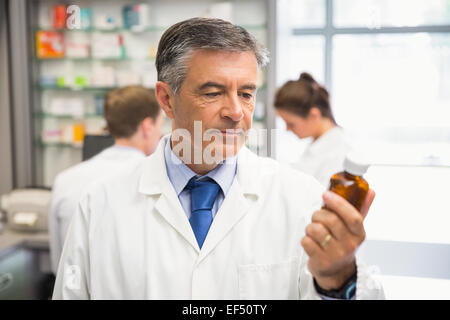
[147, 126]
[164, 96]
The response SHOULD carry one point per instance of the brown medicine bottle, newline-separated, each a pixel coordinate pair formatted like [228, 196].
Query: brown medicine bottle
[350, 183]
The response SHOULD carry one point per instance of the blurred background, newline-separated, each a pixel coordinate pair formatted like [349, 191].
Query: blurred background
[386, 64]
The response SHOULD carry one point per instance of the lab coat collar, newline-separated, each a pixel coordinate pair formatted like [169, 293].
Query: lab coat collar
[116, 151]
[179, 174]
[154, 182]
[323, 143]
[244, 190]
[154, 176]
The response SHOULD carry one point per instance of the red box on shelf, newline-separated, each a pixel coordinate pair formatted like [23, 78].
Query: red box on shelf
[59, 16]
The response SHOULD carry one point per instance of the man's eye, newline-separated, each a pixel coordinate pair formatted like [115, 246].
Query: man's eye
[212, 94]
[247, 96]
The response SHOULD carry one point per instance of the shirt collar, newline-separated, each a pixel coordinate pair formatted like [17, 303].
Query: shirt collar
[179, 174]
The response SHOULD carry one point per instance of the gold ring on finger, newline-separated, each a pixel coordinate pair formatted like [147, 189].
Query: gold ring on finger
[325, 241]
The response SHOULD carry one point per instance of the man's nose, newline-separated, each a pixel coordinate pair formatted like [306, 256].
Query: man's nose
[233, 109]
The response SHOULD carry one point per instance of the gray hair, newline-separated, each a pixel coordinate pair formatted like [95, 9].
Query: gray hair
[178, 43]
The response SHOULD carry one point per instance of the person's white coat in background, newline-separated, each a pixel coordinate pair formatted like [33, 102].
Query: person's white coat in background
[325, 156]
[72, 182]
[131, 239]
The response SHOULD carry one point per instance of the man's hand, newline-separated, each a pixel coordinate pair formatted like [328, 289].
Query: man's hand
[332, 259]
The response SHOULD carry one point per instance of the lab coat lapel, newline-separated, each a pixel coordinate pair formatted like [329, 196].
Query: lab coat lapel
[155, 182]
[169, 207]
[243, 192]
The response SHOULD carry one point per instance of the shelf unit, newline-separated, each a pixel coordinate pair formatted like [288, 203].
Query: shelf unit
[47, 158]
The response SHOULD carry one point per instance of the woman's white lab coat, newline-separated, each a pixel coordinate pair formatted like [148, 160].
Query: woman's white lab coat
[325, 156]
[130, 239]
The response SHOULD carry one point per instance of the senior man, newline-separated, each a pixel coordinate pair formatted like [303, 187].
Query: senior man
[204, 217]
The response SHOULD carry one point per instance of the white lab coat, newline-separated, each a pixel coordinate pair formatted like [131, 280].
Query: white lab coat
[70, 184]
[130, 238]
[325, 156]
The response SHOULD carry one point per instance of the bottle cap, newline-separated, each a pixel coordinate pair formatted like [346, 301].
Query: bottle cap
[355, 164]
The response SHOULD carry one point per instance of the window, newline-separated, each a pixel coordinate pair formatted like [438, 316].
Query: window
[302, 14]
[394, 88]
[376, 54]
[297, 54]
[387, 66]
[388, 13]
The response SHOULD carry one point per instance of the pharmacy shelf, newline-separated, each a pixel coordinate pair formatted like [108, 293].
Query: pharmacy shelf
[43, 144]
[89, 88]
[43, 115]
[112, 30]
[138, 30]
[75, 89]
[91, 59]
[74, 72]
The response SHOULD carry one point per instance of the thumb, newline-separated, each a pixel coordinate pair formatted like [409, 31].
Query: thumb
[367, 202]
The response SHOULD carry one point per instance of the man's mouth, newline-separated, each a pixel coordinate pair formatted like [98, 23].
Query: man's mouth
[232, 132]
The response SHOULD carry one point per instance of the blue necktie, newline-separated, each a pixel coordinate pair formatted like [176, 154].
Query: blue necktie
[203, 195]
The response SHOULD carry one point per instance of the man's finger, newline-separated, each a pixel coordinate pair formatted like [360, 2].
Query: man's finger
[332, 222]
[311, 247]
[367, 202]
[317, 232]
[348, 213]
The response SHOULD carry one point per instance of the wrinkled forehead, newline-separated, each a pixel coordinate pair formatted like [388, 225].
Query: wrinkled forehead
[222, 66]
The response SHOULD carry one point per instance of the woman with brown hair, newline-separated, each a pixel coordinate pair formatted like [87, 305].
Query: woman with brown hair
[305, 107]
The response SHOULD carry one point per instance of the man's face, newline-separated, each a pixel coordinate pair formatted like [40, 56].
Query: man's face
[219, 90]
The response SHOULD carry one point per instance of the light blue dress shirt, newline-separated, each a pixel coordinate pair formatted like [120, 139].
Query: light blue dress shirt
[179, 175]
